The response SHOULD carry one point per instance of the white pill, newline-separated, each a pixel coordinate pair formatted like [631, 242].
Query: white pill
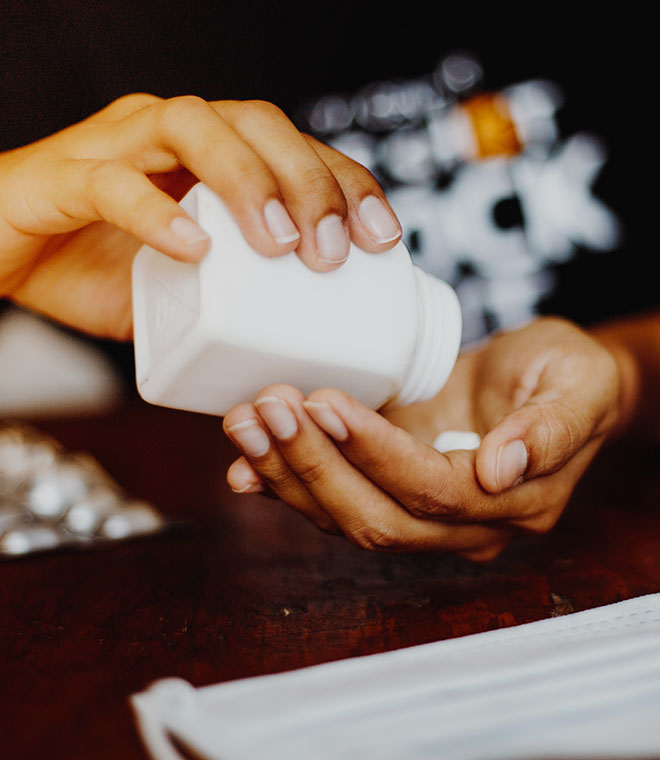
[30, 538]
[54, 491]
[136, 517]
[451, 440]
[20, 460]
[86, 515]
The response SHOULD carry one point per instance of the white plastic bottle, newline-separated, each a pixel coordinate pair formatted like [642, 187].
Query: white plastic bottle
[213, 334]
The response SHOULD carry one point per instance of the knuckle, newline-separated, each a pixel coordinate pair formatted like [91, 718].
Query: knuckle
[366, 176]
[557, 431]
[354, 175]
[135, 100]
[102, 173]
[144, 205]
[99, 172]
[360, 177]
[372, 462]
[252, 173]
[264, 109]
[106, 177]
[421, 505]
[375, 537]
[311, 472]
[278, 478]
[432, 503]
[181, 108]
[433, 497]
[319, 182]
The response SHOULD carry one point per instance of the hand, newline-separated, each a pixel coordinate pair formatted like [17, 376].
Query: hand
[75, 207]
[543, 398]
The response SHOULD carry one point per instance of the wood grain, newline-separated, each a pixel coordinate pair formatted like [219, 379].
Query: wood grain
[242, 586]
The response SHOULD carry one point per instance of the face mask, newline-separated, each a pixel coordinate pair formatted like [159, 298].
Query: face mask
[581, 685]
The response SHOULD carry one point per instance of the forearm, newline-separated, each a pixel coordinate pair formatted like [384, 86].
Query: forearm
[635, 345]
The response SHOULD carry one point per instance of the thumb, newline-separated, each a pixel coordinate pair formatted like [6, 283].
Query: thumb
[573, 401]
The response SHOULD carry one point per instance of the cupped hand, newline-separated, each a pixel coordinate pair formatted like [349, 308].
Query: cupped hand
[75, 206]
[543, 398]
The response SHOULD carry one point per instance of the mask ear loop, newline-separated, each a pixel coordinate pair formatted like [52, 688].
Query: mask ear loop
[149, 718]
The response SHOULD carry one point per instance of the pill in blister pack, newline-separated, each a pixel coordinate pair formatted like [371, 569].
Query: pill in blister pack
[25, 538]
[51, 498]
[22, 453]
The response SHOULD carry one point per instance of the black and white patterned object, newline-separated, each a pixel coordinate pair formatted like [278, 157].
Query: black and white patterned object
[490, 195]
[51, 498]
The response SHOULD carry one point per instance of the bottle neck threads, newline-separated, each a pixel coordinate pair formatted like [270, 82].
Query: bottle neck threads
[438, 340]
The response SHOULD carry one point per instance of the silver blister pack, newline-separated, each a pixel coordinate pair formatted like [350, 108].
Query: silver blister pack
[52, 498]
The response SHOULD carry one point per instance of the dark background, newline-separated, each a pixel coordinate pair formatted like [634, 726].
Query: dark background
[60, 61]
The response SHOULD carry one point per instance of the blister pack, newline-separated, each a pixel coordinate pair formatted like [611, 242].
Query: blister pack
[52, 498]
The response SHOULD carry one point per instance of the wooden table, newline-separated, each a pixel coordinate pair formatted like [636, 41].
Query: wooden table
[245, 586]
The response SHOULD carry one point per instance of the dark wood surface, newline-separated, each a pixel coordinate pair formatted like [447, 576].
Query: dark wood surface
[244, 586]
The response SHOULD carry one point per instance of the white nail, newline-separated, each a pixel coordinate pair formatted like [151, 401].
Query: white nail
[279, 223]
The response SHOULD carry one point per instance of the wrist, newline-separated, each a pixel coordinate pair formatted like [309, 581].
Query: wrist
[634, 344]
[629, 381]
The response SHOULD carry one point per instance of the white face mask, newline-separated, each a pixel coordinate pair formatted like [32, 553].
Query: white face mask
[582, 685]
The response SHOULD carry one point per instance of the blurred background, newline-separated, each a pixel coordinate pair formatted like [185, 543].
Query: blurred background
[515, 141]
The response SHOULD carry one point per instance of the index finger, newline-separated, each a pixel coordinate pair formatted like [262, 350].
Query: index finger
[188, 132]
[427, 483]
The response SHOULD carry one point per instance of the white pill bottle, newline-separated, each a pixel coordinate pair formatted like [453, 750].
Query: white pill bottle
[212, 334]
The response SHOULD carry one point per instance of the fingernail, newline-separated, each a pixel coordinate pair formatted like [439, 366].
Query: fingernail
[279, 223]
[187, 231]
[249, 488]
[511, 463]
[278, 416]
[327, 419]
[250, 438]
[332, 241]
[379, 220]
